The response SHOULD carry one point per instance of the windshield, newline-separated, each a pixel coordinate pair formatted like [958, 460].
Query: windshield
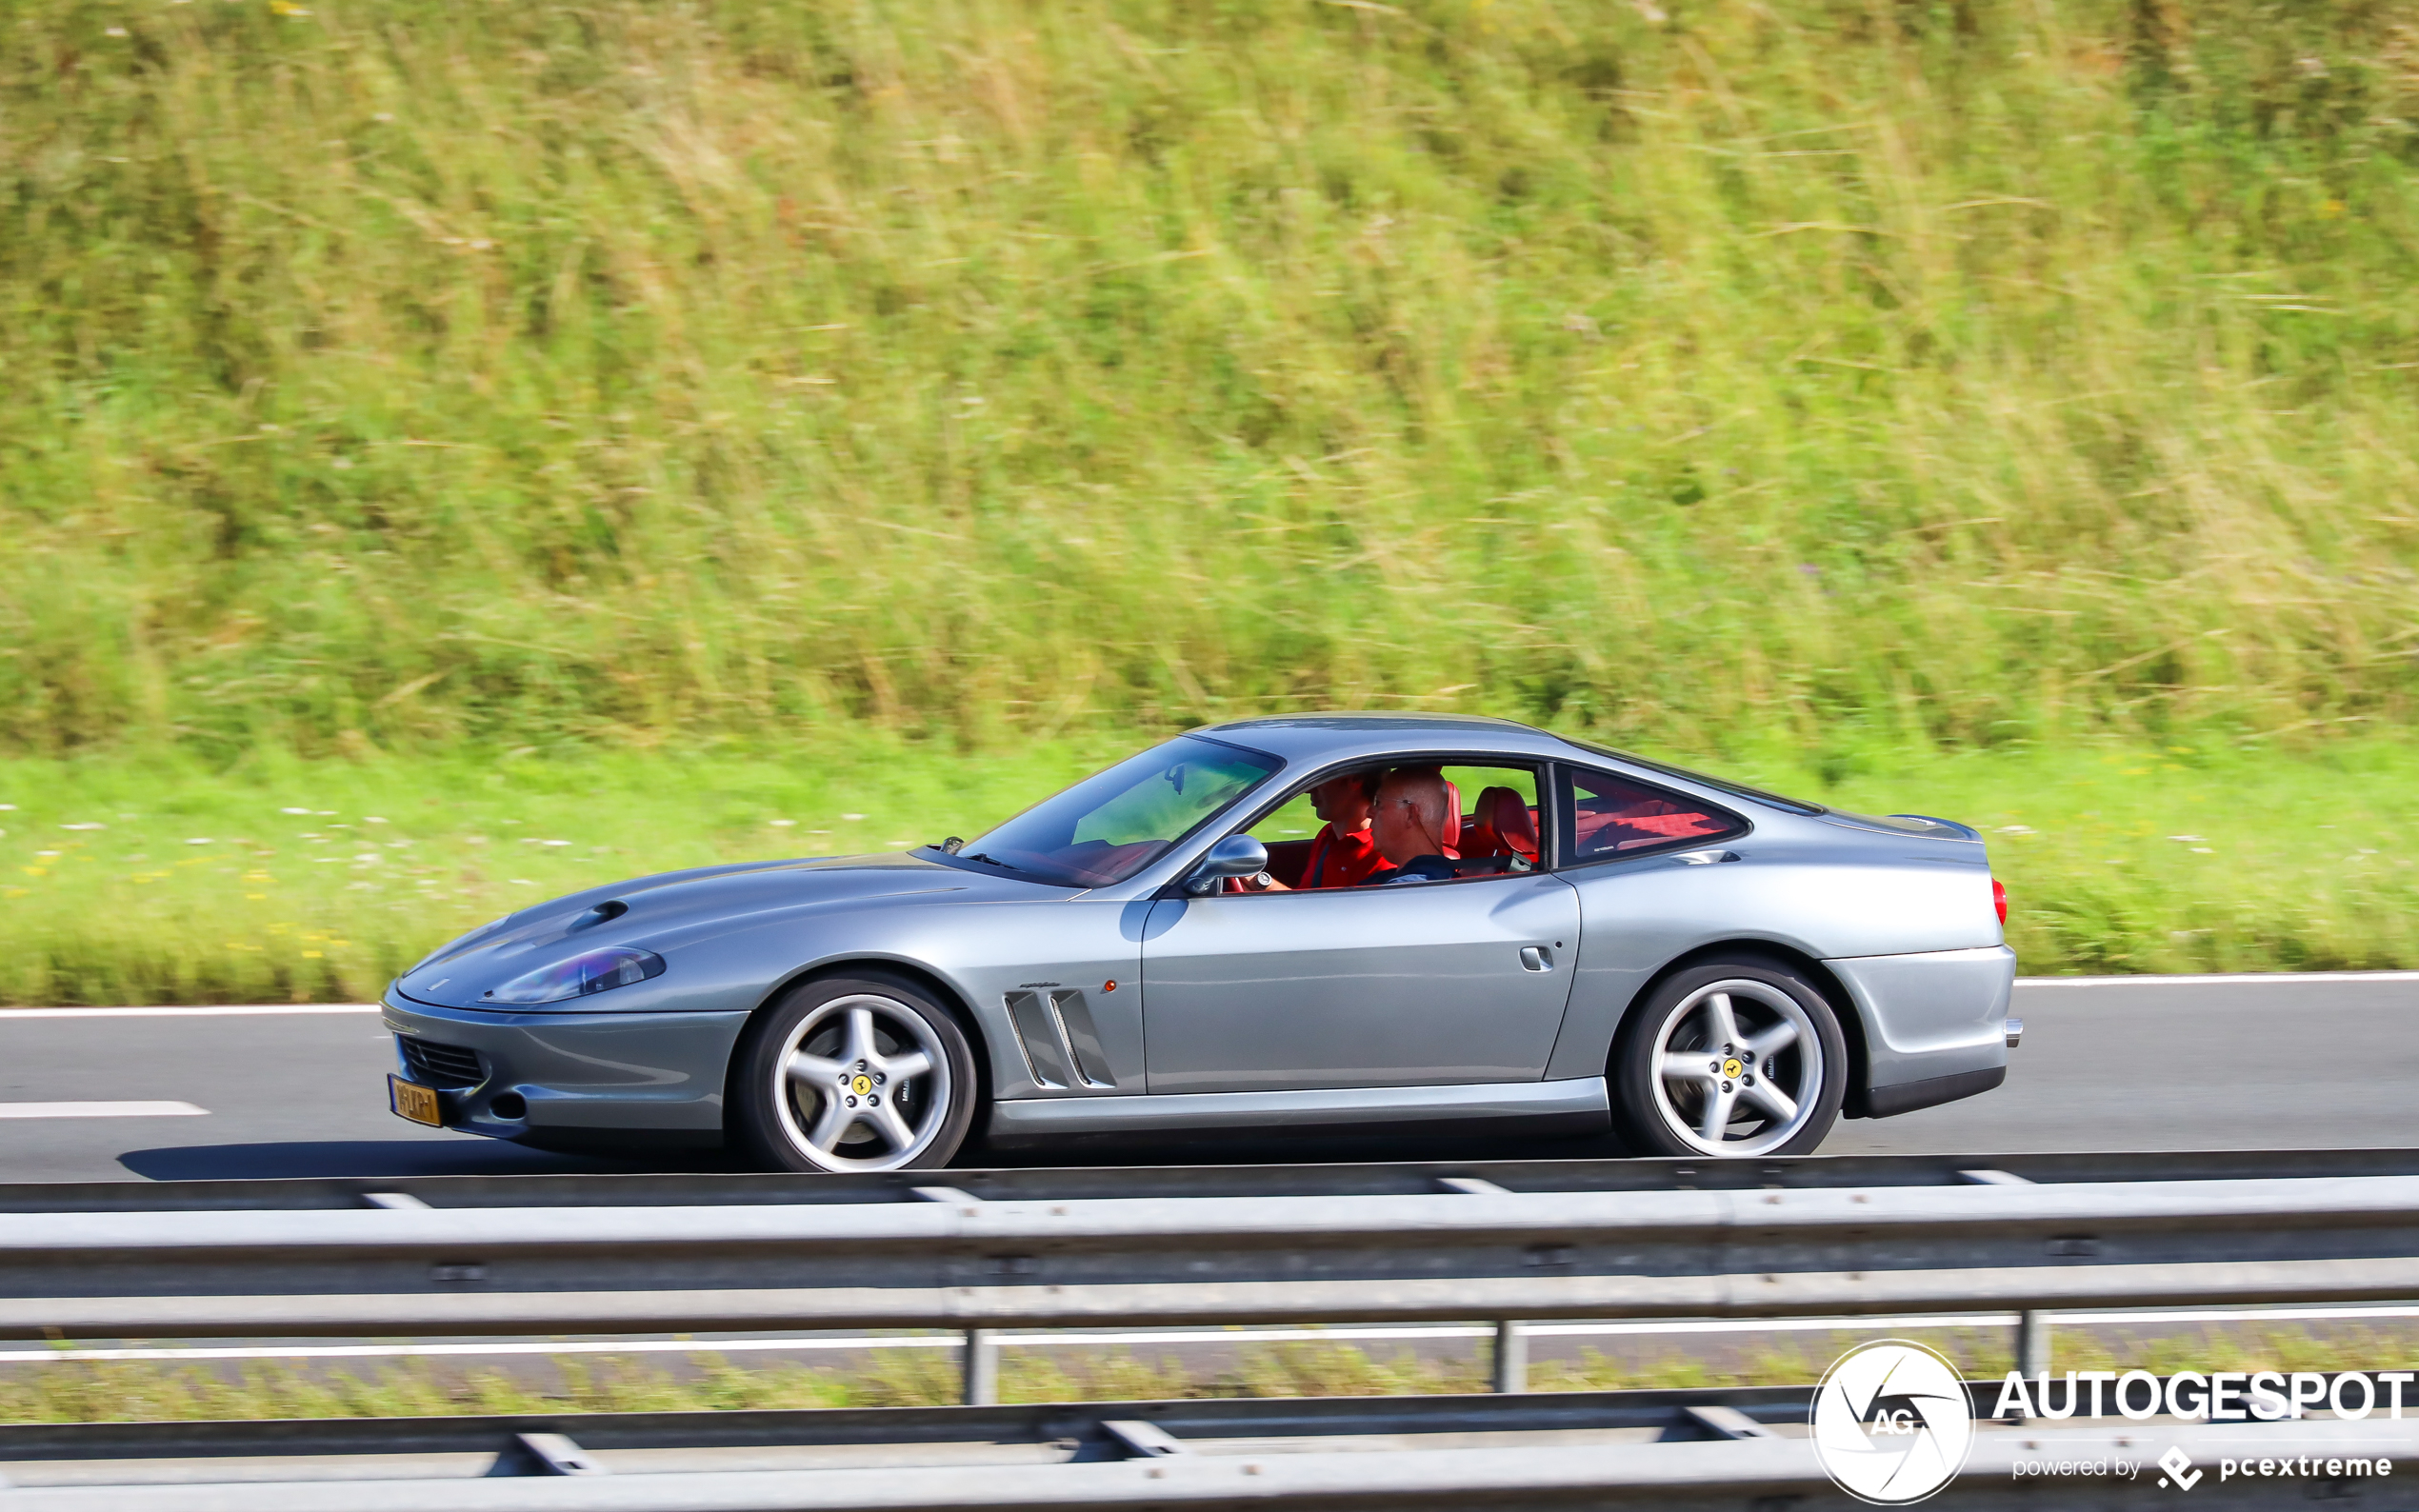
[1111, 825]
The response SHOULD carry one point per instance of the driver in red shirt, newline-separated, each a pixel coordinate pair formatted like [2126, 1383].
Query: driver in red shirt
[1344, 853]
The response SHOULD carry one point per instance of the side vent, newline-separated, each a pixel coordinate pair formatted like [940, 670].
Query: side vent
[1061, 1045]
[1075, 1022]
[1046, 1056]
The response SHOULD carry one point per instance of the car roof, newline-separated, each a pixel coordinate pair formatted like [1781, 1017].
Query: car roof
[1299, 738]
[1309, 740]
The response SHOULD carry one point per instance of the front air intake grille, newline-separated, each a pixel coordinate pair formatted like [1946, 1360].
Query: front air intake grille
[437, 1065]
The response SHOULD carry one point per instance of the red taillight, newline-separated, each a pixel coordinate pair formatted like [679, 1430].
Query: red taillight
[1999, 899]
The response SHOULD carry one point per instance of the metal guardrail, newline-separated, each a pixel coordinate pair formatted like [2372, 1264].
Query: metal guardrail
[1317, 1245]
[957, 1262]
[1078, 1431]
[1323, 1179]
[1659, 1448]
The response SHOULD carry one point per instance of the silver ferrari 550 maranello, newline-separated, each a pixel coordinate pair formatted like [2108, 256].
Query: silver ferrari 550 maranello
[1335, 923]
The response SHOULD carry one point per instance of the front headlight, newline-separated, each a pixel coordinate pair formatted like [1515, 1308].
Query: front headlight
[592, 971]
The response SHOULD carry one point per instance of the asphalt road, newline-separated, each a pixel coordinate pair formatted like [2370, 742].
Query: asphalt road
[2238, 1063]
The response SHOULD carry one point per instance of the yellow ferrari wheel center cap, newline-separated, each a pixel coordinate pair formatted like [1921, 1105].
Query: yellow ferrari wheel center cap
[862, 1085]
[1731, 1066]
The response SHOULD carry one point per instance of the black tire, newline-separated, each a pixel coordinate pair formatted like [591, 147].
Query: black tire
[777, 1115]
[1658, 1111]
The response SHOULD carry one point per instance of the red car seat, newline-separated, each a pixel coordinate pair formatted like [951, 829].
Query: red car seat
[1506, 825]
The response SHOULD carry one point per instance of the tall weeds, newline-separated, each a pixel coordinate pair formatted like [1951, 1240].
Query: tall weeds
[1990, 370]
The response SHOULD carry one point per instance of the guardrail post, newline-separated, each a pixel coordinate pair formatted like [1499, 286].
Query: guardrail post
[1512, 1356]
[2032, 1342]
[982, 1368]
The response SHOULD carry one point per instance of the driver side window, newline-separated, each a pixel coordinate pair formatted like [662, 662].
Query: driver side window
[1288, 834]
[1331, 834]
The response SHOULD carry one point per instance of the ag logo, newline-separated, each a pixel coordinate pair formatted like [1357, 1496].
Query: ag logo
[1891, 1423]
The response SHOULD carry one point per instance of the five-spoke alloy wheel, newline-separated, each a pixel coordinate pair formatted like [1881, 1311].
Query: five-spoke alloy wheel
[856, 1074]
[1730, 1058]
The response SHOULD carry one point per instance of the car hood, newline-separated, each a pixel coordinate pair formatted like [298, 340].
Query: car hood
[679, 912]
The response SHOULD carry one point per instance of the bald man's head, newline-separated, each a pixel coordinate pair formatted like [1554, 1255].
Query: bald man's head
[1407, 820]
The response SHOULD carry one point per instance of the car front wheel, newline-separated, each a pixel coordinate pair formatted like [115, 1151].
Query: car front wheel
[1730, 1058]
[857, 1073]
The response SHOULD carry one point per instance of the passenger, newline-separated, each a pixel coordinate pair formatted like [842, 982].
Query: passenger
[1416, 822]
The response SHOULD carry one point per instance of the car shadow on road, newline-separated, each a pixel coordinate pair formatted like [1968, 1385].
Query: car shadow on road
[297, 1158]
[1293, 1149]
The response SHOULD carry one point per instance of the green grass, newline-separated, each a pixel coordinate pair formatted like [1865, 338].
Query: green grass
[200, 886]
[387, 375]
[69, 1390]
[629, 425]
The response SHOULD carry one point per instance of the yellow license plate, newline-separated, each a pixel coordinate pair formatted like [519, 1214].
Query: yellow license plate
[414, 1101]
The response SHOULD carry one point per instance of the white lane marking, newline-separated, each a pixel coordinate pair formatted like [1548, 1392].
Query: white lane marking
[2231, 979]
[259, 1009]
[1178, 1335]
[101, 1110]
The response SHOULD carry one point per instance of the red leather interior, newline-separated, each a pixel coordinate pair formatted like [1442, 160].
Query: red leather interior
[1505, 824]
[1640, 820]
[1451, 837]
[1096, 861]
[1287, 859]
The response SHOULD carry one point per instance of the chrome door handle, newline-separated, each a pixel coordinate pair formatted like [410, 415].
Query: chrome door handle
[1536, 958]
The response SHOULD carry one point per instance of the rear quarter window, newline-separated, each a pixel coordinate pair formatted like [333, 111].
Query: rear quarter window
[1612, 816]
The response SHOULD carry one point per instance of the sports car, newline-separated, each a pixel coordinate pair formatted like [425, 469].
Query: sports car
[1355, 923]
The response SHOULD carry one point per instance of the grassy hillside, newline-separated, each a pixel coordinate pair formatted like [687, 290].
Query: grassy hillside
[165, 881]
[404, 374]
[582, 437]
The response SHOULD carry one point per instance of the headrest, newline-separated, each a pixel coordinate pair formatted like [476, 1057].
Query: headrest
[1507, 813]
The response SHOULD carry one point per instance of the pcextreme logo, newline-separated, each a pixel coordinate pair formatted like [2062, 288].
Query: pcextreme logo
[1891, 1423]
[2178, 1466]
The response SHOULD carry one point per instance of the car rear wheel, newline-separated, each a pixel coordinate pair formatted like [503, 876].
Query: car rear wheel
[1730, 1058]
[857, 1073]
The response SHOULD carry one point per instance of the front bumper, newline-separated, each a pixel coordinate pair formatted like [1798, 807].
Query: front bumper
[561, 1078]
